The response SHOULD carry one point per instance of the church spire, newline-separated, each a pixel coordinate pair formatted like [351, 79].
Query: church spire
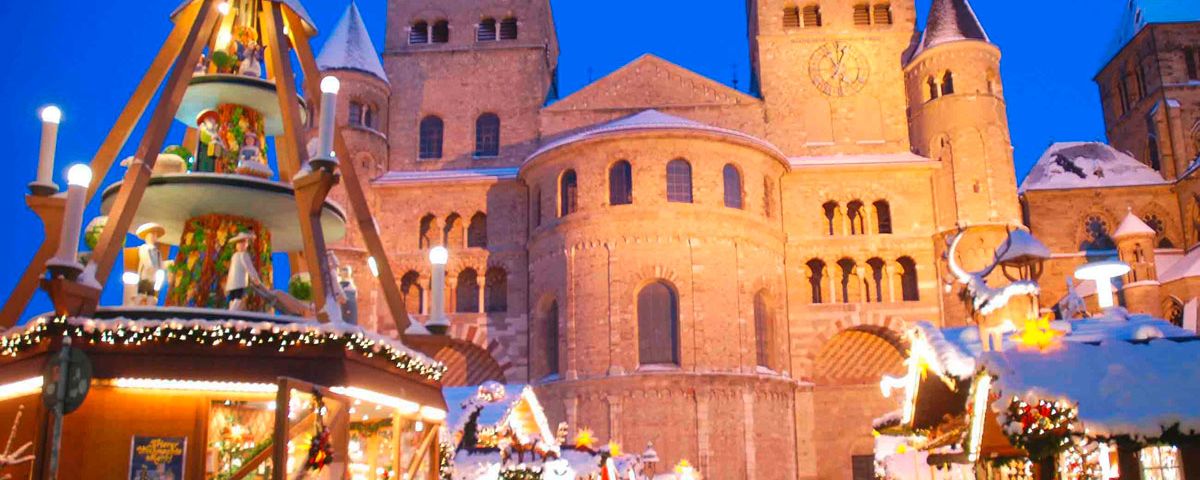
[349, 47]
[950, 21]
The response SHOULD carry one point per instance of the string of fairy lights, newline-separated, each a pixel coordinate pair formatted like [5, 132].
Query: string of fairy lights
[215, 333]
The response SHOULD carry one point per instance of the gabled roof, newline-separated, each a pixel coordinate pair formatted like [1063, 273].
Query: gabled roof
[1140, 13]
[349, 47]
[1070, 165]
[659, 83]
[293, 4]
[653, 120]
[1186, 267]
[950, 21]
[1132, 225]
[1021, 245]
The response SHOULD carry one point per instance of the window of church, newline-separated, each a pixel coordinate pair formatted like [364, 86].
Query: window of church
[816, 280]
[452, 233]
[862, 14]
[831, 213]
[440, 33]
[1152, 153]
[934, 92]
[496, 290]
[486, 31]
[908, 279]
[812, 16]
[849, 283]
[947, 83]
[431, 138]
[1160, 230]
[414, 295]
[1191, 58]
[487, 135]
[535, 206]
[362, 115]
[418, 33]
[508, 29]
[425, 238]
[732, 180]
[875, 283]
[1096, 235]
[620, 183]
[679, 181]
[568, 191]
[466, 293]
[477, 231]
[658, 324]
[881, 14]
[883, 217]
[857, 216]
[763, 330]
[791, 17]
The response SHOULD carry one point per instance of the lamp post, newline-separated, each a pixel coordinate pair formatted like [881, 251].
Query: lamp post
[44, 184]
[437, 323]
[324, 158]
[65, 262]
[1103, 273]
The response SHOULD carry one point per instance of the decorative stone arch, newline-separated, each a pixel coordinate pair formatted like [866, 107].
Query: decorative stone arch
[860, 354]
[470, 358]
[1155, 210]
[1083, 222]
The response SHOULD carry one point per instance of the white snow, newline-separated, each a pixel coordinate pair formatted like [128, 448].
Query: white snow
[1118, 388]
[1132, 225]
[461, 400]
[950, 21]
[463, 175]
[1021, 243]
[1087, 165]
[349, 47]
[1188, 266]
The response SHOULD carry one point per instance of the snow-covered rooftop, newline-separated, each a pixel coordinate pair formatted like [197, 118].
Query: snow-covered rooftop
[1188, 266]
[1132, 225]
[463, 175]
[950, 21]
[1117, 388]
[652, 120]
[457, 398]
[1021, 244]
[955, 349]
[349, 47]
[1087, 165]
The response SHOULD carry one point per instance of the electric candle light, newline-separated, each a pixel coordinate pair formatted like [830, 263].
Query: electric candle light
[129, 281]
[329, 90]
[44, 184]
[1102, 273]
[79, 176]
[438, 256]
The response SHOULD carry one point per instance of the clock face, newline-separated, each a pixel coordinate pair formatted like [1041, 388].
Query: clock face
[838, 69]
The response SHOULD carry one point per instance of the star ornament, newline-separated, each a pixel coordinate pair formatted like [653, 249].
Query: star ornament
[585, 439]
[1039, 334]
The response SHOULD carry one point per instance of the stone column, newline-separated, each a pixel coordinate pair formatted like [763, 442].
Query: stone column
[481, 280]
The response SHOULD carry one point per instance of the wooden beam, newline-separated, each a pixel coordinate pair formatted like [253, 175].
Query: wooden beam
[370, 233]
[50, 211]
[138, 175]
[296, 428]
[123, 127]
[308, 62]
[283, 407]
[280, 65]
[421, 454]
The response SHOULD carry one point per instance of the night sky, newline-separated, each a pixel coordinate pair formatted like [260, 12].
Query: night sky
[87, 56]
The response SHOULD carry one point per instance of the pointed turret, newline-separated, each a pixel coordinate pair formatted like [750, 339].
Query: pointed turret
[349, 47]
[1140, 289]
[950, 21]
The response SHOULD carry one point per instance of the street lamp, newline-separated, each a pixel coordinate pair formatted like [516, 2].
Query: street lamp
[437, 324]
[1103, 273]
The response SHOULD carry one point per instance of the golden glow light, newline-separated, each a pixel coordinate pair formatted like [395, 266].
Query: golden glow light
[21, 388]
[979, 413]
[1039, 334]
[51, 114]
[431, 414]
[194, 385]
[373, 266]
[223, 7]
[405, 407]
[585, 438]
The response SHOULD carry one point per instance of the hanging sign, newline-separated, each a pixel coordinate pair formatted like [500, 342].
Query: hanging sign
[157, 458]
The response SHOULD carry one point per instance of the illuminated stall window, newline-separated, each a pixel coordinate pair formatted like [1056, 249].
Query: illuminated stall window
[1160, 462]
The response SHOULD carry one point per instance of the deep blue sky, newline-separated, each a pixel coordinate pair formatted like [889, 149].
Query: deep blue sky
[87, 56]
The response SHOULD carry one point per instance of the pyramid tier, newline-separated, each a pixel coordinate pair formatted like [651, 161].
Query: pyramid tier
[171, 200]
[206, 92]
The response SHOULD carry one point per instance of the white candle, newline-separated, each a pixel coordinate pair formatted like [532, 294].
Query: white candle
[437, 317]
[78, 179]
[51, 116]
[329, 90]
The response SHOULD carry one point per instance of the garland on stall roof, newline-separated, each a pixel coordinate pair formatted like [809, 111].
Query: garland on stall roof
[213, 333]
[446, 461]
[1042, 429]
[521, 472]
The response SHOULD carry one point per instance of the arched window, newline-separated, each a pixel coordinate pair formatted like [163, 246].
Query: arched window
[763, 330]
[1096, 235]
[568, 192]
[425, 239]
[679, 181]
[452, 233]
[477, 231]
[658, 324]
[1173, 311]
[816, 279]
[414, 295]
[857, 216]
[1160, 229]
[733, 186]
[812, 16]
[882, 14]
[466, 294]
[552, 357]
[933, 88]
[359, 114]
[849, 282]
[620, 183]
[831, 212]
[883, 216]
[508, 29]
[486, 32]
[791, 17]
[908, 279]
[418, 34]
[768, 197]
[431, 137]
[487, 135]
[495, 295]
[875, 283]
[440, 33]
[947, 83]
[862, 14]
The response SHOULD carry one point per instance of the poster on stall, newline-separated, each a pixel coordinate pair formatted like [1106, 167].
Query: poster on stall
[157, 458]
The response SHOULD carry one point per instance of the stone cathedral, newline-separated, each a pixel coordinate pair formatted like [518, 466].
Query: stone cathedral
[668, 260]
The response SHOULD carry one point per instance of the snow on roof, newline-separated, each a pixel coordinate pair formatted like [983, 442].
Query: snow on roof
[458, 398]
[1118, 388]
[1020, 243]
[955, 349]
[1188, 266]
[293, 4]
[1087, 165]
[349, 47]
[868, 159]
[464, 175]
[1132, 225]
[1140, 13]
[950, 21]
[652, 120]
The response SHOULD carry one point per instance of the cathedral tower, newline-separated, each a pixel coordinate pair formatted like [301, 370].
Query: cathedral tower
[829, 72]
[468, 78]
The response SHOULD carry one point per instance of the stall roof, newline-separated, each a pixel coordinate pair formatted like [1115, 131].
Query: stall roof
[1119, 388]
[459, 398]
